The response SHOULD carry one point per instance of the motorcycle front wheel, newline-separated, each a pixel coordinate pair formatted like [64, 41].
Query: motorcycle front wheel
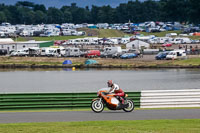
[130, 107]
[97, 106]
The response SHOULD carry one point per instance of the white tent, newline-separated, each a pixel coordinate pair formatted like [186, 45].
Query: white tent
[137, 44]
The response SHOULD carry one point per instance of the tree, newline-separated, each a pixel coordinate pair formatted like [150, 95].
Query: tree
[151, 10]
[2, 17]
[40, 17]
[135, 11]
[25, 4]
[67, 16]
[174, 10]
[121, 13]
[105, 14]
[39, 8]
[54, 15]
[94, 14]
[194, 6]
[25, 15]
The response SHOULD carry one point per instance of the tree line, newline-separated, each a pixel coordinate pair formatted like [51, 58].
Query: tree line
[24, 12]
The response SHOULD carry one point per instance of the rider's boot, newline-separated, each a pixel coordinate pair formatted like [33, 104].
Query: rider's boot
[122, 100]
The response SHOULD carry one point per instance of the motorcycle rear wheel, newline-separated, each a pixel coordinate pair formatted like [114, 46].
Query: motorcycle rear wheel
[97, 106]
[130, 107]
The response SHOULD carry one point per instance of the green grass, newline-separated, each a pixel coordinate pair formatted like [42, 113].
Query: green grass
[33, 63]
[190, 62]
[139, 126]
[194, 37]
[48, 38]
[110, 33]
[160, 34]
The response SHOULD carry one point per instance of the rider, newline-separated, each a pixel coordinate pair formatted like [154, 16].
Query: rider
[117, 90]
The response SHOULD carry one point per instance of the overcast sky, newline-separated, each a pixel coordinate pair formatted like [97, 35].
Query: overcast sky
[60, 3]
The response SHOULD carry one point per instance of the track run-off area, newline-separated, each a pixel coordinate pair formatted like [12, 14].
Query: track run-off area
[64, 116]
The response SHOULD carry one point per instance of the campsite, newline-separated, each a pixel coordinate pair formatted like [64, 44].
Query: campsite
[99, 66]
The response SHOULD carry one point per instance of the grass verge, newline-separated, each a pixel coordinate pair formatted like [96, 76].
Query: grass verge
[111, 63]
[139, 126]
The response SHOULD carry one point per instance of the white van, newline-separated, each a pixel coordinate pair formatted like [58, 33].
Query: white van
[176, 54]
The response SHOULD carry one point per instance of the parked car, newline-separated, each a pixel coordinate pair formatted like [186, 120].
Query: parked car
[128, 55]
[161, 55]
[167, 45]
[92, 53]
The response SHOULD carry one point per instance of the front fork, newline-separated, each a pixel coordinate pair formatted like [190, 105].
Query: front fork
[99, 100]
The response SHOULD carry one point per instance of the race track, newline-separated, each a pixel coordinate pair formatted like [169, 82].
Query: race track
[18, 117]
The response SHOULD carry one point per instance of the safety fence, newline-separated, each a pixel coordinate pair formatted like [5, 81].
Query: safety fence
[53, 100]
[170, 98]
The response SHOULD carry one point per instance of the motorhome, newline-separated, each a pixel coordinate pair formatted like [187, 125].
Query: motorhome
[48, 51]
[33, 51]
[186, 40]
[181, 40]
[162, 40]
[110, 51]
[176, 41]
[72, 52]
[176, 54]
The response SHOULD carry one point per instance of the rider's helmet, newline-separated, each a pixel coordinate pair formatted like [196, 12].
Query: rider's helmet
[110, 82]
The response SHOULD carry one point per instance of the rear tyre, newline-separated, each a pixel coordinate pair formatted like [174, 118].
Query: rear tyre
[97, 106]
[130, 107]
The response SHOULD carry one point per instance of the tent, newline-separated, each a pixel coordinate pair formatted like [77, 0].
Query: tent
[89, 62]
[137, 44]
[67, 62]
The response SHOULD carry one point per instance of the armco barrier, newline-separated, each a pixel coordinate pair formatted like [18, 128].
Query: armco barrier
[52, 100]
[170, 98]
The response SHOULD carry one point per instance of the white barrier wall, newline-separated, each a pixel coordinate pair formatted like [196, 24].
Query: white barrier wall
[170, 98]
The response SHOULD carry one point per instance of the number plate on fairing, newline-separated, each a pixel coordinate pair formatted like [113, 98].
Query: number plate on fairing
[114, 101]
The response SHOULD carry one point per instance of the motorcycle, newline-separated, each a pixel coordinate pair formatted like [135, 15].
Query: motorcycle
[111, 102]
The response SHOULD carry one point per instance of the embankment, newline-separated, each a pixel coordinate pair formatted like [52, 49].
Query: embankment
[147, 61]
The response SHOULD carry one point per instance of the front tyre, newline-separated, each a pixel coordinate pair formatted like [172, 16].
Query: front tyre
[97, 106]
[130, 107]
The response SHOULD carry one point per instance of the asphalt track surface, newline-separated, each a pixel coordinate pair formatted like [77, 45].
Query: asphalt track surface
[24, 117]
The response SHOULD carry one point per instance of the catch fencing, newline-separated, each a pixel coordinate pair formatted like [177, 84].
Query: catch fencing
[53, 100]
[143, 99]
[170, 98]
